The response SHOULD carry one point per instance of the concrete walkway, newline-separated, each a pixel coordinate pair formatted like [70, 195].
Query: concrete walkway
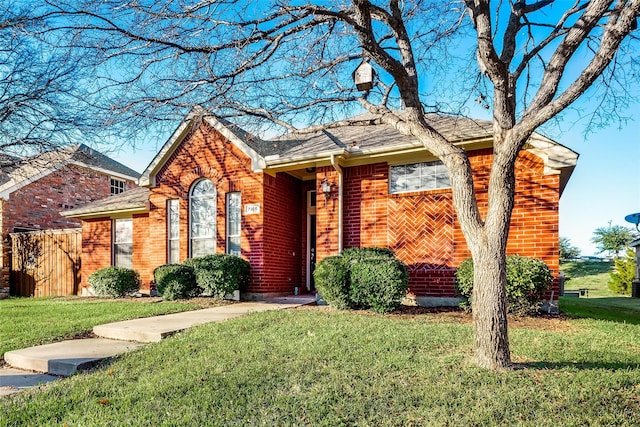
[41, 364]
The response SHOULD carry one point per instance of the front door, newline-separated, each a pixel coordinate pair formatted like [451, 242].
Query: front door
[311, 239]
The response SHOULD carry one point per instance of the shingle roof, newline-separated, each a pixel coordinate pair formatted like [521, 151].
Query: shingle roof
[367, 134]
[91, 157]
[17, 172]
[135, 199]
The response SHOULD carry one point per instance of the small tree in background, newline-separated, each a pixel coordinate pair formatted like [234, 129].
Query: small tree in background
[568, 252]
[623, 273]
[612, 239]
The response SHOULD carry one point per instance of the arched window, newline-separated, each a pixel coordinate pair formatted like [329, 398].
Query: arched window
[202, 219]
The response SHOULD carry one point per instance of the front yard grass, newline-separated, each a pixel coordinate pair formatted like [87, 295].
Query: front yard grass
[601, 303]
[322, 367]
[25, 322]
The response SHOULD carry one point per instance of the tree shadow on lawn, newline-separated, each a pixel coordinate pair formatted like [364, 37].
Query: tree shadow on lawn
[583, 366]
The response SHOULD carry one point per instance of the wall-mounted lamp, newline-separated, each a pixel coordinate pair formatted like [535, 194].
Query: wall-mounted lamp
[326, 189]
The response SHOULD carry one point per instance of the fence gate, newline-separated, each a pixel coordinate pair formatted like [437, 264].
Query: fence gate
[46, 263]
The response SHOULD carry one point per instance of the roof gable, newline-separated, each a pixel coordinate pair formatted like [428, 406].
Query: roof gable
[237, 136]
[32, 169]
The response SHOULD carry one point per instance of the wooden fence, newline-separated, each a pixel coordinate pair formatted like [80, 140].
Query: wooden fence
[46, 263]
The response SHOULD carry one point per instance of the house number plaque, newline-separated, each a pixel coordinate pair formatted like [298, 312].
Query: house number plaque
[252, 209]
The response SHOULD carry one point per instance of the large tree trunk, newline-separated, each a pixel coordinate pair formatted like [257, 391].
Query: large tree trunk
[489, 306]
[489, 258]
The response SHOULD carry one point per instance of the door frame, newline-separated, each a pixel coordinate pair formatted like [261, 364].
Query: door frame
[311, 211]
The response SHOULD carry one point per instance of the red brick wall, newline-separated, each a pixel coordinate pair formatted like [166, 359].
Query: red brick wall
[422, 228]
[38, 204]
[207, 154]
[142, 251]
[283, 249]
[327, 214]
[96, 246]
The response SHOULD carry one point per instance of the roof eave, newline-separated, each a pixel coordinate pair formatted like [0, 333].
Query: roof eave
[107, 213]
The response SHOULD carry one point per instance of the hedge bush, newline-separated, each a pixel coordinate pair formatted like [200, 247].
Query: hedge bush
[369, 278]
[378, 284]
[114, 281]
[175, 281]
[624, 271]
[330, 277]
[353, 255]
[528, 279]
[220, 274]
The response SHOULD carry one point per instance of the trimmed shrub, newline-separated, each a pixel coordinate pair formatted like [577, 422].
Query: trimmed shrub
[220, 274]
[330, 278]
[353, 255]
[114, 281]
[175, 281]
[369, 278]
[378, 284]
[528, 280]
[624, 271]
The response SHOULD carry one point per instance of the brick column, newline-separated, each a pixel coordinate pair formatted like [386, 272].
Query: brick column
[326, 214]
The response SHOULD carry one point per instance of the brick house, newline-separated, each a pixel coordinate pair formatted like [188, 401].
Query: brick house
[34, 190]
[288, 202]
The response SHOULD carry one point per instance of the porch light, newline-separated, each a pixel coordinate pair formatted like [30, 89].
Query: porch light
[326, 189]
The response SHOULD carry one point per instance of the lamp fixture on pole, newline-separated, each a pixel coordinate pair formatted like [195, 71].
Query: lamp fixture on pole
[326, 189]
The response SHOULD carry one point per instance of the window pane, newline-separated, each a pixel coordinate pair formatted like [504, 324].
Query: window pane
[418, 177]
[397, 179]
[123, 255]
[233, 246]
[124, 231]
[174, 252]
[173, 241]
[202, 247]
[202, 212]
[174, 219]
[233, 214]
[442, 176]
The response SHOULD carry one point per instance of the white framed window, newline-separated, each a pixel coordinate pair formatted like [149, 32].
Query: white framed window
[117, 186]
[418, 177]
[202, 218]
[173, 231]
[123, 242]
[234, 223]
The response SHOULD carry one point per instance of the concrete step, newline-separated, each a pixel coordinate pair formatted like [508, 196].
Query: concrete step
[66, 357]
[154, 329]
[15, 380]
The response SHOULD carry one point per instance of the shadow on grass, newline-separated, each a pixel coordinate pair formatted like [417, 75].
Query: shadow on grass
[608, 366]
[614, 309]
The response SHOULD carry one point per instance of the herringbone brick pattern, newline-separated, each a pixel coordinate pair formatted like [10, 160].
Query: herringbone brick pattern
[421, 230]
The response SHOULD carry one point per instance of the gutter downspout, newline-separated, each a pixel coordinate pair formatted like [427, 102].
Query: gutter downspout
[338, 169]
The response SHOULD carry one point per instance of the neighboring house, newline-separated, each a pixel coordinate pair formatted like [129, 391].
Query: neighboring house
[286, 203]
[34, 190]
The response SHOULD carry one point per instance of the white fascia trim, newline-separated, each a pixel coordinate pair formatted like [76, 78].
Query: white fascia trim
[278, 162]
[15, 186]
[104, 171]
[258, 163]
[107, 214]
[556, 156]
[148, 177]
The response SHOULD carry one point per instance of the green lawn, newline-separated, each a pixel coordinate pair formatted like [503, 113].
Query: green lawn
[593, 276]
[326, 368]
[321, 367]
[601, 303]
[25, 322]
